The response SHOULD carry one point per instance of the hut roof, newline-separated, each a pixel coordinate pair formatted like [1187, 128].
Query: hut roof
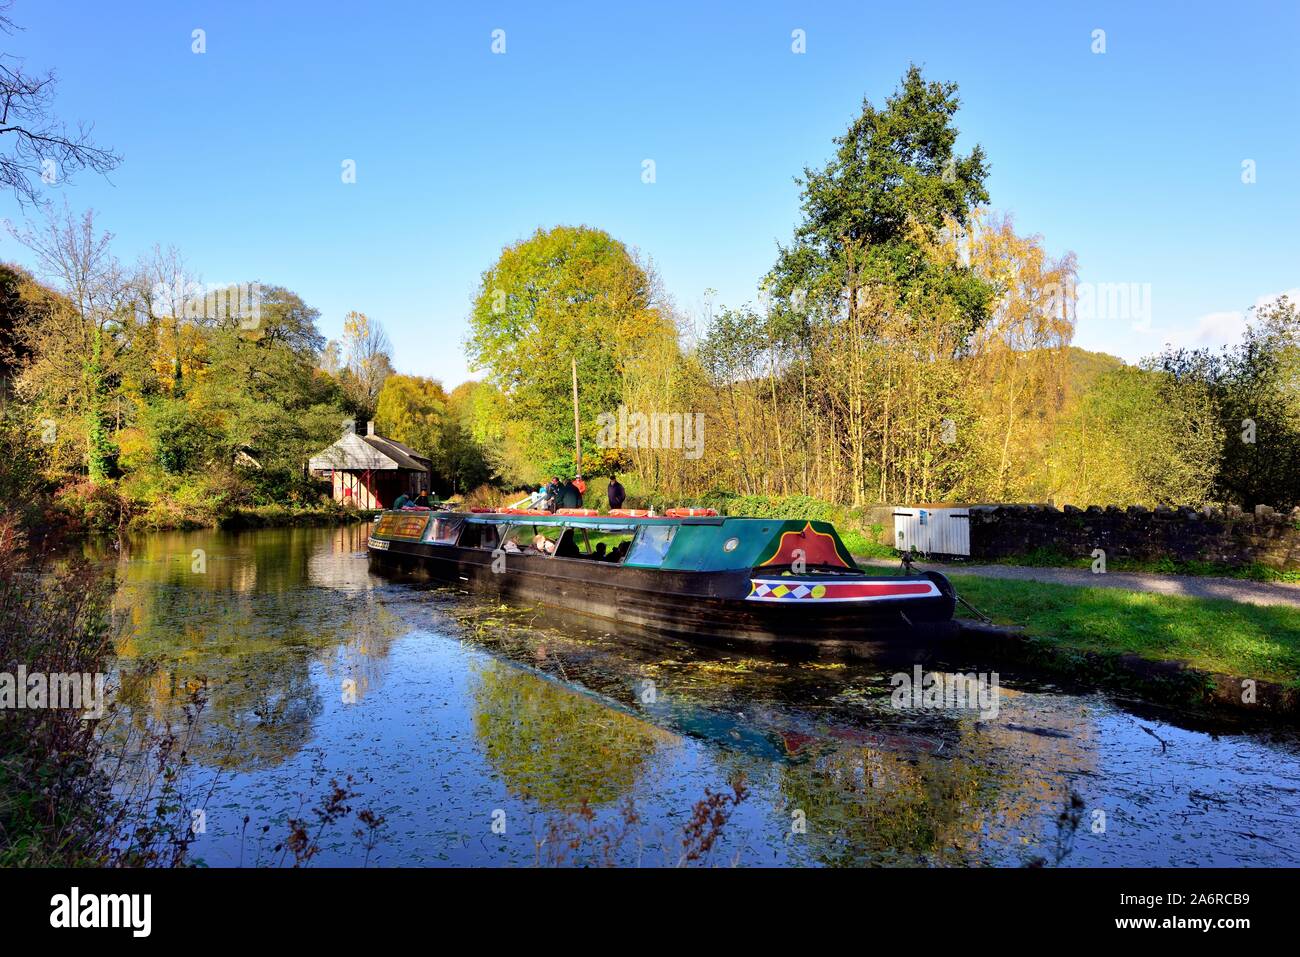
[373, 452]
[405, 456]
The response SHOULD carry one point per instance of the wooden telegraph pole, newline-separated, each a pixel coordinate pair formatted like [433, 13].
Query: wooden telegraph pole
[577, 439]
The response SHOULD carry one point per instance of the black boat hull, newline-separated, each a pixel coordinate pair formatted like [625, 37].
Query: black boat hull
[696, 606]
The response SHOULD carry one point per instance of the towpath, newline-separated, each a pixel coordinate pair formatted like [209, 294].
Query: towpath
[1191, 586]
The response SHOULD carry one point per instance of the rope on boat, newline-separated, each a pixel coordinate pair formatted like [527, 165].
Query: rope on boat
[909, 569]
[975, 611]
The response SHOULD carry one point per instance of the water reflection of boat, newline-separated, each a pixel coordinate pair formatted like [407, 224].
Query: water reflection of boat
[781, 582]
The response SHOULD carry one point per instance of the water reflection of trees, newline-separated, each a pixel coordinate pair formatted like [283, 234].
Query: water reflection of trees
[1041, 754]
[249, 630]
[1000, 785]
[868, 806]
[555, 746]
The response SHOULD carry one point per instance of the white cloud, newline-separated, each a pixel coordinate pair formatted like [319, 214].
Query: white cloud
[1216, 329]
[1292, 294]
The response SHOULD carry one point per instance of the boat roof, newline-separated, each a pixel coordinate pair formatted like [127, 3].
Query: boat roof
[552, 518]
[701, 543]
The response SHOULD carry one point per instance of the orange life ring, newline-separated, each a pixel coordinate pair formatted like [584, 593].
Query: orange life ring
[576, 511]
[690, 512]
[630, 512]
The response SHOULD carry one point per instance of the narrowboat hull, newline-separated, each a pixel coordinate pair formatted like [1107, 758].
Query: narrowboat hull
[877, 617]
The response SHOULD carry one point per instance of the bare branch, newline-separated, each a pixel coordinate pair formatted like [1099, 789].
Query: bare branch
[35, 148]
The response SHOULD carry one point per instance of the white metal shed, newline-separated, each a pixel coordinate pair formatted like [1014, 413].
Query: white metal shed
[933, 530]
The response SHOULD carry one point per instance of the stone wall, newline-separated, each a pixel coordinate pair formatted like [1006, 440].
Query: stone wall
[1224, 536]
[882, 516]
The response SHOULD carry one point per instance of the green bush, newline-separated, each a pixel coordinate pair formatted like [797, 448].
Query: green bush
[178, 440]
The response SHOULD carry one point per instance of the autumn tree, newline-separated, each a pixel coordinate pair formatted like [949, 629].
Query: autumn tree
[76, 337]
[570, 294]
[1255, 388]
[895, 174]
[367, 357]
[861, 277]
[1019, 370]
[167, 292]
[412, 410]
[464, 463]
[1259, 398]
[729, 354]
[261, 392]
[499, 441]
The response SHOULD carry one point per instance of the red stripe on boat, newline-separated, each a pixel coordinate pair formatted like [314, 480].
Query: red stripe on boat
[879, 591]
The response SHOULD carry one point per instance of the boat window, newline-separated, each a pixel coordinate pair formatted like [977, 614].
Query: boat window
[532, 539]
[481, 535]
[444, 531]
[597, 544]
[401, 525]
[651, 545]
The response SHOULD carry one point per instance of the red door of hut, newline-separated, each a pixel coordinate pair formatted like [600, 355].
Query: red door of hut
[387, 487]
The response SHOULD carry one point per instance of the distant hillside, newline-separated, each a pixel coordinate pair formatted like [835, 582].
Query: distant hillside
[1086, 366]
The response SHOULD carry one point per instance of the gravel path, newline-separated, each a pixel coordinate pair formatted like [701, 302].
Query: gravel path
[1192, 586]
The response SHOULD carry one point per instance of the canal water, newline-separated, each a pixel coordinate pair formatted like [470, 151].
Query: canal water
[471, 733]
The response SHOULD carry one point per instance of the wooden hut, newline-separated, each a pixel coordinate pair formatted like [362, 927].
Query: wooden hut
[370, 471]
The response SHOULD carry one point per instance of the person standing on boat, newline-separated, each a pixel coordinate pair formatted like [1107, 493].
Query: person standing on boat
[570, 497]
[617, 496]
[552, 500]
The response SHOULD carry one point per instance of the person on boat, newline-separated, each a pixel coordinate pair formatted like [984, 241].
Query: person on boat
[542, 545]
[617, 496]
[552, 500]
[403, 500]
[422, 500]
[599, 554]
[570, 497]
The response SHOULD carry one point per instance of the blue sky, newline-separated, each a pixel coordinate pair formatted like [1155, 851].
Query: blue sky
[1132, 158]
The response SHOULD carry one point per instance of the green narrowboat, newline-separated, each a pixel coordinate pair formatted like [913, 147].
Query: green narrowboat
[694, 576]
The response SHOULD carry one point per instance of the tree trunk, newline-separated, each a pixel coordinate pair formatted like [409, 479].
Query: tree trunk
[776, 412]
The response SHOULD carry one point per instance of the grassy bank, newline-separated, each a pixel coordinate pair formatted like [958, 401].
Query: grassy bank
[1247, 640]
[109, 507]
